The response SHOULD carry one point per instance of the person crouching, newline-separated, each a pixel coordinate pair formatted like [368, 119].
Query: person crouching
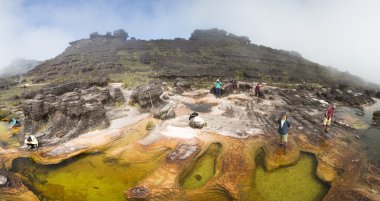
[283, 129]
[31, 142]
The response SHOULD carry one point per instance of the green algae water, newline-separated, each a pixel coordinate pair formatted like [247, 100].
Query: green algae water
[8, 137]
[86, 177]
[204, 168]
[294, 183]
[89, 176]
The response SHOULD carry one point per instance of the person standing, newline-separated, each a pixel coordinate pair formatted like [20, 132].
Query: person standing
[329, 114]
[234, 84]
[283, 129]
[218, 88]
[257, 89]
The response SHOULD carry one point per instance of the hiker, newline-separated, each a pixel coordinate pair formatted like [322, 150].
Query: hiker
[14, 123]
[283, 129]
[329, 114]
[257, 89]
[234, 84]
[31, 141]
[196, 121]
[218, 88]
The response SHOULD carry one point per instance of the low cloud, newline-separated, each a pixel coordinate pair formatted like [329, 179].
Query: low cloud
[341, 33]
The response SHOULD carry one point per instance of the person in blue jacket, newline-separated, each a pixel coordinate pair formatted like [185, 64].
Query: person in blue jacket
[218, 88]
[283, 129]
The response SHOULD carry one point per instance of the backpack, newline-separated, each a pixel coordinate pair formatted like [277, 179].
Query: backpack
[194, 114]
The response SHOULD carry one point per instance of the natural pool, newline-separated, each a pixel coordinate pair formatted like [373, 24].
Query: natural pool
[294, 183]
[204, 168]
[89, 176]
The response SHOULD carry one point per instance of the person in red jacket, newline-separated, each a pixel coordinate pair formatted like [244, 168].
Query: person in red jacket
[257, 89]
[329, 114]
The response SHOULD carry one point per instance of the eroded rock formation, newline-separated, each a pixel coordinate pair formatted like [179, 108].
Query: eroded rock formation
[66, 116]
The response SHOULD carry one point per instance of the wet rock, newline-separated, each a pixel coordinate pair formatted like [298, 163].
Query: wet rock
[197, 122]
[137, 193]
[276, 156]
[147, 96]
[182, 152]
[3, 180]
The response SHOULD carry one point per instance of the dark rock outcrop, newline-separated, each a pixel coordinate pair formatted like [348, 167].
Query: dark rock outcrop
[348, 99]
[147, 96]
[66, 116]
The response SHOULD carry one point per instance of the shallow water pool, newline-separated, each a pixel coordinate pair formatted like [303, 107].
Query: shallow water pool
[294, 183]
[86, 177]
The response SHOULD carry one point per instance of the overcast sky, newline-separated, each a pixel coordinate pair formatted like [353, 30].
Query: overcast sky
[341, 33]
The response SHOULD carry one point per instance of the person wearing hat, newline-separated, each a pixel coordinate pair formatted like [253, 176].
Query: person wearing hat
[283, 129]
[329, 114]
[218, 88]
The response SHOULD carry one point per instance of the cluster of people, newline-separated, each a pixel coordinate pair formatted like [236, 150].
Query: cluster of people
[217, 89]
[283, 122]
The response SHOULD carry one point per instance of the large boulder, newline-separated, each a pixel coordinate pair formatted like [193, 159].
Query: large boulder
[147, 96]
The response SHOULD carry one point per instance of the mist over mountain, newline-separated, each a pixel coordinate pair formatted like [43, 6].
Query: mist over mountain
[18, 66]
